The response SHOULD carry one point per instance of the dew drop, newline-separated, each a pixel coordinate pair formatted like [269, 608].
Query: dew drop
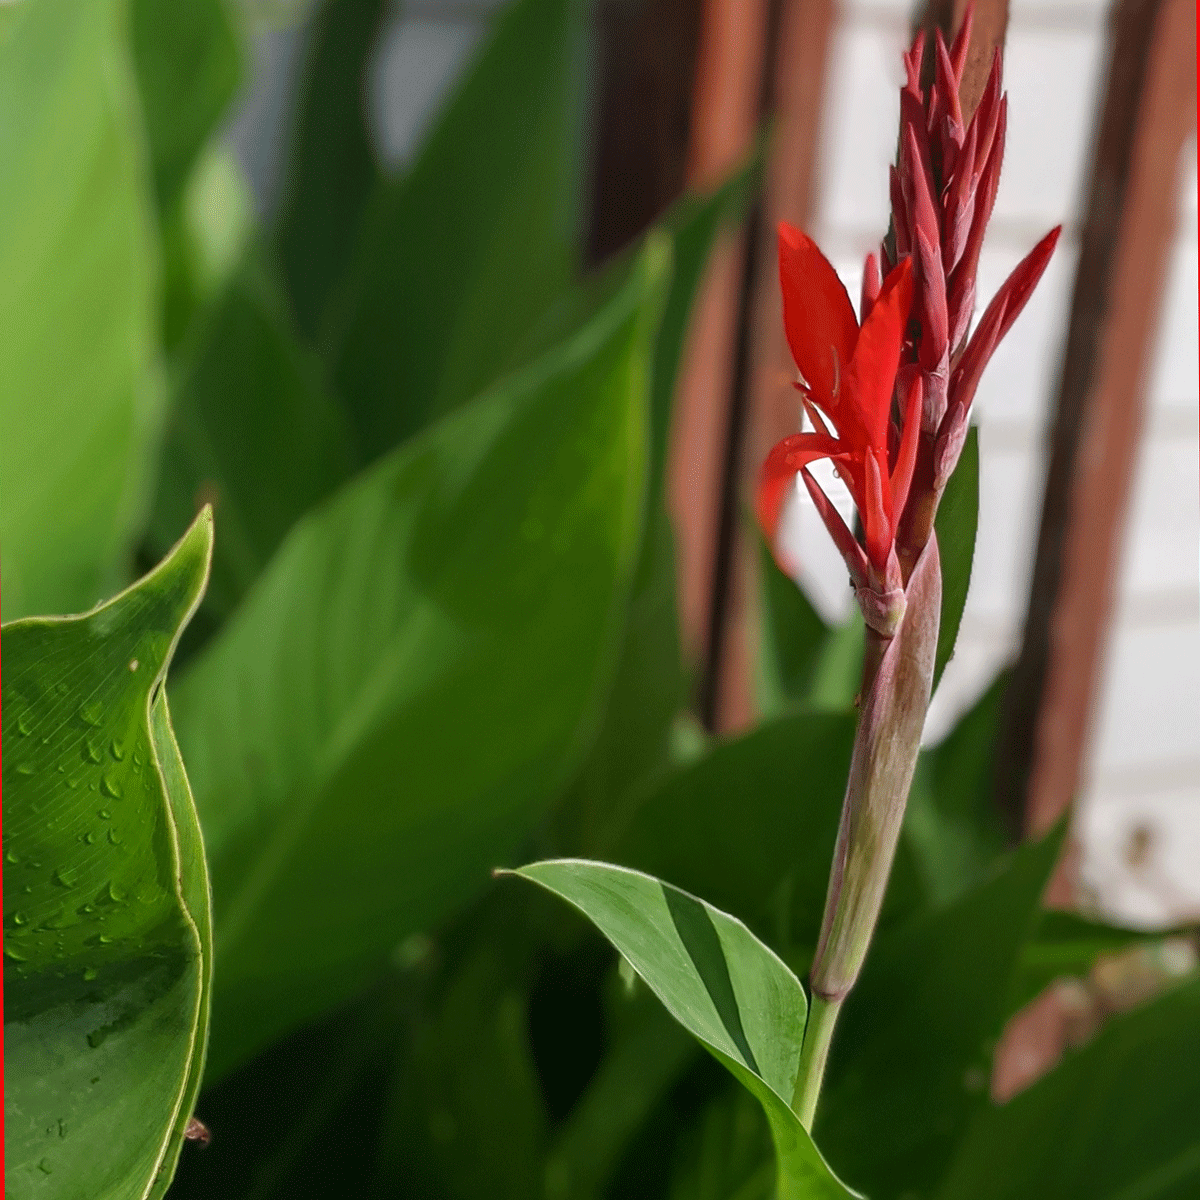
[90, 973]
[103, 814]
[133, 664]
[117, 749]
[25, 768]
[65, 877]
[24, 728]
[91, 751]
[19, 918]
[114, 837]
[14, 954]
[91, 713]
[105, 939]
[117, 894]
[11, 857]
[45, 1167]
[62, 687]
[110, 785]
[89, 838]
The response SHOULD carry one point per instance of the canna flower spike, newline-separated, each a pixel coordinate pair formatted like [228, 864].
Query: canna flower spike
[943, 190]
[847, 380]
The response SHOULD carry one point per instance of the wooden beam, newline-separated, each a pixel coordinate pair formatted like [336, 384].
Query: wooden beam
[726, 109]
[1148, 110]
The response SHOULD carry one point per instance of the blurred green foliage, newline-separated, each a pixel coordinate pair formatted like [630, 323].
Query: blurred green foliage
[439, 637]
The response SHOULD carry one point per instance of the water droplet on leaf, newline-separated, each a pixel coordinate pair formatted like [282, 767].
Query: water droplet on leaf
[91, 713]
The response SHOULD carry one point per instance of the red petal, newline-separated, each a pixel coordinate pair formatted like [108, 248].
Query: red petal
[962, 43]
[872, 281]
[998, 317]
[906, 460]
[778, 473]
[877, 526]
[872, 374]
[817, 314]
[843, 539]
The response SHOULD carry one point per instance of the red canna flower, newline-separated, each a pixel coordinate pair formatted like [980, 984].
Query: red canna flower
[847, 378]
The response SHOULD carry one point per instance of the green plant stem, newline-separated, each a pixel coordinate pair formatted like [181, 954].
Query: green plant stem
[818, 1033]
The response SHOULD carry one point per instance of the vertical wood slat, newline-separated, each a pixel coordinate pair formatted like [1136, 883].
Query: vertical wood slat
[725, 113]
[1148, 109]
[716, 581]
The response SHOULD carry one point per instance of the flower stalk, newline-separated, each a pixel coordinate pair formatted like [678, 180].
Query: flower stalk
[889, 401]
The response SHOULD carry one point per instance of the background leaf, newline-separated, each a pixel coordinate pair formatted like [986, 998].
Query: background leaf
[82, 396]
[252, 431]
[331, 171]
[1115, 1121]
[188, 59]
[459, 259]
[717, 980]
[912, 1050]
[107, 941]
[955, 524]
[415, 675]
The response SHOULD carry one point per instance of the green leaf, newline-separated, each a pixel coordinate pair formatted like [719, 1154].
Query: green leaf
[955, 524]
[719, 982]
[727, 1155]
[82, 395]
[188, 59]
[752, 825]
[650, 688]
[459, 259]
[1115, 1121]
[107, 939]
[953, 826]
[912, 1049]
[415, 675]
[331, 171]
[251, 430]
[793, 637]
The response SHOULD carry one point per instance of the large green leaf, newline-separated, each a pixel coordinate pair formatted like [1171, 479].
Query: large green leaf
[719, 982]
[188, 59]
[752, 825]
[415, 675]
[82, 397]
[650, 688]
[107, 939]
[1115, 1121]
[251, 430]
[956, 522]
[458, 260]
[331, 169]
[911, 1052]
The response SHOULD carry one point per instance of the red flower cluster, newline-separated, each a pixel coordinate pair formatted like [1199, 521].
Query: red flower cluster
[890, 402]
[847, 379]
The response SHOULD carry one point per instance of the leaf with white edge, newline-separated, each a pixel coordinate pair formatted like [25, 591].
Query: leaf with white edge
[727, 989]
[107, 938]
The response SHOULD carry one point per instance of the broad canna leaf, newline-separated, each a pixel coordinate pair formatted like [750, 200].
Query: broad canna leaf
[956, 522]
[721, 983]
[107, 938]
[459, 259]
[416, 675]
[82, 395]
[331, 171]
[188, 58]
[912, 1051]
[1116, 1120]
[252, 430]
